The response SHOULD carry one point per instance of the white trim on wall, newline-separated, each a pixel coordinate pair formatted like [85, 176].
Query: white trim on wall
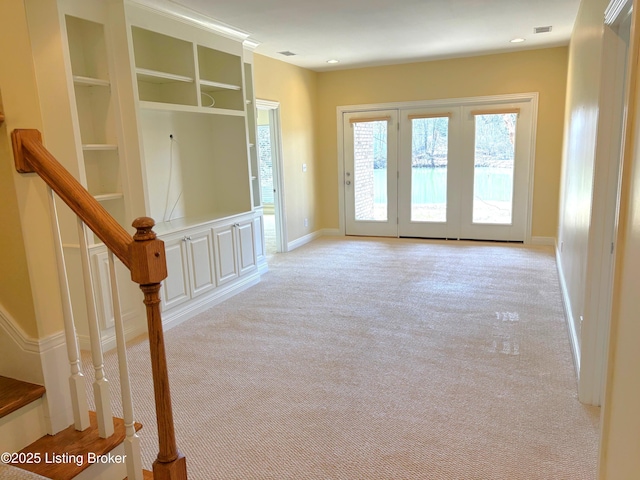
[24, 341]
[566, 303]
[42, 361]
[305, 239]
[278, 171]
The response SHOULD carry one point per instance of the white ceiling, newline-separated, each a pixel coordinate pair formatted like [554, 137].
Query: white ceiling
[377, 32]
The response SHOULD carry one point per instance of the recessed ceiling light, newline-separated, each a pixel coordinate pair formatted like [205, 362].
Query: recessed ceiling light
[517, 40]
[333, 60]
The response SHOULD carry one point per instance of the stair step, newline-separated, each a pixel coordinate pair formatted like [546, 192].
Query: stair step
[15, 394]
[146, 475]
[73, 448]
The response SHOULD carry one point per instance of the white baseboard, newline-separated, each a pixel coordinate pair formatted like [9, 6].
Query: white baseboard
[20, 352]
[42, 361]
[549, 241]
[172, 319]
[304, 240]
[134, 328]
[571, 324]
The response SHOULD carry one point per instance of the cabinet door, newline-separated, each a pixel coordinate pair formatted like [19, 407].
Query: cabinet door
[201, 263]
[225, 254]
[246, 246]
[129, 294]
[258, 230]
[175, 288]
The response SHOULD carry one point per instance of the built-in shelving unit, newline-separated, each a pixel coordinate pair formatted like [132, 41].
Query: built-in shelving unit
[100, 165]
[192, 116]
[164, 123]
[165, 68]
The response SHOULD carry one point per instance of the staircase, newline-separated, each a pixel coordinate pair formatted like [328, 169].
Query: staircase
[96, 446]
[70, 454]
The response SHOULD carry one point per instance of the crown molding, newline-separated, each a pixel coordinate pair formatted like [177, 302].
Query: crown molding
[175, 11]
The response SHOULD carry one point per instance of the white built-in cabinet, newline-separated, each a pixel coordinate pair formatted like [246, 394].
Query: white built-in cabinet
[165, 126]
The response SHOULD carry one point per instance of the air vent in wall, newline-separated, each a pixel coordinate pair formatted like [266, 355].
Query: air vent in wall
[542, 29]
[287, 53]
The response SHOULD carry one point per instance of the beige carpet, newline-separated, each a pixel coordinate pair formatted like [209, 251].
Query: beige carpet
[380, 359]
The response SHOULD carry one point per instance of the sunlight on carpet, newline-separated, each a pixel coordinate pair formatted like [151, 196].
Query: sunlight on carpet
[379, 359]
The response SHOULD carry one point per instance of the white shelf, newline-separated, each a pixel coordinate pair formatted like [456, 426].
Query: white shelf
[154, 76]
[89, 81]
[210, 86]
[108, 196]
[96, 147]
[174, 107]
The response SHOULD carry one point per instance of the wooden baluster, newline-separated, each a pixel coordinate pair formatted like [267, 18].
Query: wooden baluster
[148, 269]
[132, 441]
[76, 379]
[100, 385]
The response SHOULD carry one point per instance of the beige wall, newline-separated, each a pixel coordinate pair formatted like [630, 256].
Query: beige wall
[20, 105]
[24, 105]
[620, 439]
[542, 71]
[581, 122]
[295, 89]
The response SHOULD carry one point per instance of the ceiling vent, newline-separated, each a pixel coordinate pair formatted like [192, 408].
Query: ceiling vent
[542, 29]
[287, 53]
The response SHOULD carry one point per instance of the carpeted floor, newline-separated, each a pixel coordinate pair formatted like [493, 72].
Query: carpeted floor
[379, 359]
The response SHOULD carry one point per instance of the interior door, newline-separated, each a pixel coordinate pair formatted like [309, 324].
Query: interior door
[494, 181]
[429, 167]
[371, 173]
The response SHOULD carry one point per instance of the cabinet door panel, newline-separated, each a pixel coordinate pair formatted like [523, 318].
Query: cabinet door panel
[175, 288]
[202, 264]
[246, 247]
[130, 296]
[226, 264]
[258, 226]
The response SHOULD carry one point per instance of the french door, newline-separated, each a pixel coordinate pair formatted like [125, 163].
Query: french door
[371, 179]
[459, 171]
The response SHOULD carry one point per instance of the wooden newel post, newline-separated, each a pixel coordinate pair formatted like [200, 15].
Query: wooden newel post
[149, 268]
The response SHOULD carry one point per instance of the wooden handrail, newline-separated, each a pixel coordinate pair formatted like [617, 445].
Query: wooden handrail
[31, 156]
[143, 254]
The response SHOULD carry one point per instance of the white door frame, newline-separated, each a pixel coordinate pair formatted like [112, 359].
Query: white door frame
[388, 227]
[282, 243]
[591, 351]
[443, 103]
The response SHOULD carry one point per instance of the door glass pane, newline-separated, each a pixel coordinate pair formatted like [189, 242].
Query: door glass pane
[370, 170]
[265, 159]
[429, 156]
[493, 168]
